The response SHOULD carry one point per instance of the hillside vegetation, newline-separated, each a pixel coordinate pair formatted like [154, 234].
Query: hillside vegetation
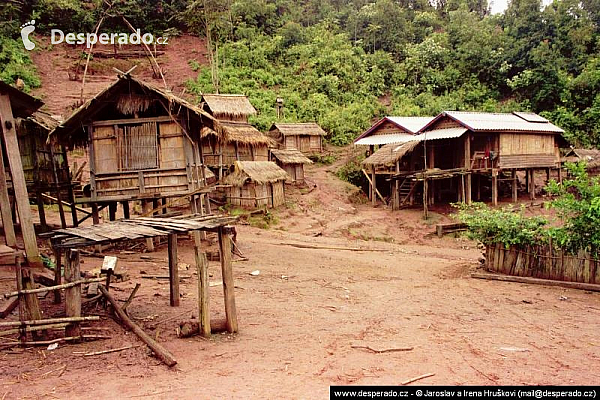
[342, 63]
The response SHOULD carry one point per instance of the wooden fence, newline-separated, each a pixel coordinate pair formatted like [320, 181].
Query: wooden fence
[543, 262]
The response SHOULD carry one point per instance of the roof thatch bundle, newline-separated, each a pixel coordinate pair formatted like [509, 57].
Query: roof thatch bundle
[260, 172]
[590, 156]
[228, 105]
[389, 154]
[290, 156]
[131, 103]
[308, 128]
[238, 132]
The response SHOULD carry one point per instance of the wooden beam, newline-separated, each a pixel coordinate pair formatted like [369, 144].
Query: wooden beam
[147, 210]
[18, 180]
[373, 187]
[73, 294]
[112, 122]
[469, 188]
[532, 184]
[425, 199]
[515, 194]
[228, 285]
[494, 187]
[5, 207]
[592, 287]
[371, 184]
[173, 271]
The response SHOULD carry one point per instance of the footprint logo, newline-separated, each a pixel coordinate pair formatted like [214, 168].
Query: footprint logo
[26, 30]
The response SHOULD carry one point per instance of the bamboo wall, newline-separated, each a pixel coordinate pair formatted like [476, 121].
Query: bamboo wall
[36, 157]
[522, 143]
[252, 195]
[542, 262]
[136, 159]
[304, 143]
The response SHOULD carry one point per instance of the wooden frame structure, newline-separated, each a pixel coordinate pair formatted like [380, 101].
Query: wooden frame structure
[305, 137]
[256, 184]
[590, 156]
[144, 144]
[461, 146]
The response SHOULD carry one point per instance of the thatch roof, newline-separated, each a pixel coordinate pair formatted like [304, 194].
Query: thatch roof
[260, 172]
[43, 119]
[389, 154]
[308, 128]
[238, 132]
[290, 156]
[590, 156]
[21, 103]
[72, 130]
[228, 105]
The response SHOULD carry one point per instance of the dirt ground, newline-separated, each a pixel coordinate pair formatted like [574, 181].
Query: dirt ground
[301, 316]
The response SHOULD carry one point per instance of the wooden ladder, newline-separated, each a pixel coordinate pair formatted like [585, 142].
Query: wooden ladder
[406, 189]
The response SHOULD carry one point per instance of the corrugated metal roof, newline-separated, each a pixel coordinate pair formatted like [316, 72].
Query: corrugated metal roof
[502, 122]
[448, 133]
[411, 124]
[385, 139]
[530, 117]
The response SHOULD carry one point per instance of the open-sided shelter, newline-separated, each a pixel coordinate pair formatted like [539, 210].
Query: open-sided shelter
[143, 143]
[255, 184]
[291, 161]
[306, 137]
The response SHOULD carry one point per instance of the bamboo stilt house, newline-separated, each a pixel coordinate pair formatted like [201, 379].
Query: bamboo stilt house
[305, 137]
[256, 184]
[292, 161]
[143, 142]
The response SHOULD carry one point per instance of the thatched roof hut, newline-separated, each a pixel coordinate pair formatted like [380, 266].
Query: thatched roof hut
[255, 184]
[292, 161]
[390, 154]
[590, 156]
[233, 107]
[306, 137]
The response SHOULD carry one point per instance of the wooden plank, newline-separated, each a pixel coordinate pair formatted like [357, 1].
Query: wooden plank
[18, 180]
[128, 121]
[173, 270]
[72, 294]
[85, 233]
[228, 285]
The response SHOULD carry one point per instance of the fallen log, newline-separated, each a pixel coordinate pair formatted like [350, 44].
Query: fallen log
[162, 353]
[192, 328]
[537, 281]
[311, 246]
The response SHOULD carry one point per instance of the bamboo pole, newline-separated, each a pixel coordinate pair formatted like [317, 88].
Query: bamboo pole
[49, 321]
[49, 288]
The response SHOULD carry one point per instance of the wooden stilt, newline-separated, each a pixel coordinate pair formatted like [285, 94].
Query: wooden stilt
[61, 209]
[373, 187]
[5, 206]
[173, 270]
[96, 221]
[515, 194]
[11, 143]
[469, 188]
[57, 274]
[532, 184]
[73, 208]
[72, 294]
[203, 287]
[547, 175]
[560, 175]
[494, 187]
[164, 203]
[112, 211]
[41, 211]
[146, 208]
[126, 212]
[463, 190]
[425, 199]
[478, 187]
[527, 185]
[228, 285]
[31, 301]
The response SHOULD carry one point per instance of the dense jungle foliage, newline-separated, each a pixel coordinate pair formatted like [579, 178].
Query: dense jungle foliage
[345, 62]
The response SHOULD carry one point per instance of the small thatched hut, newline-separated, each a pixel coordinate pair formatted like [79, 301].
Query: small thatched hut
[306, 137]
[228, 107]
[291, 161]
[256, 184]
[590, 156]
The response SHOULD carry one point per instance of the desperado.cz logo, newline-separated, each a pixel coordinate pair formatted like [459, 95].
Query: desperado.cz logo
[57, 36]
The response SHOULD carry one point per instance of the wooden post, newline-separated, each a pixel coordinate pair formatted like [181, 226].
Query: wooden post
[463, 190]
[173, 270]
[112, 210]
[527, 185]
[18, 180]
[532, 184]
[547, 175]
[73, 208]
[72, 294]
[515, 194]
[494, 187]
[126, 213]
[397, 188]
[560, 176]
[41, 211]
[469, 188]
[146, 208]
[5, 207]
[373, 187]
[425, 199]
[57, 274]
[228, 285]
[203, 308]
[61, 210]
[31, 301]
